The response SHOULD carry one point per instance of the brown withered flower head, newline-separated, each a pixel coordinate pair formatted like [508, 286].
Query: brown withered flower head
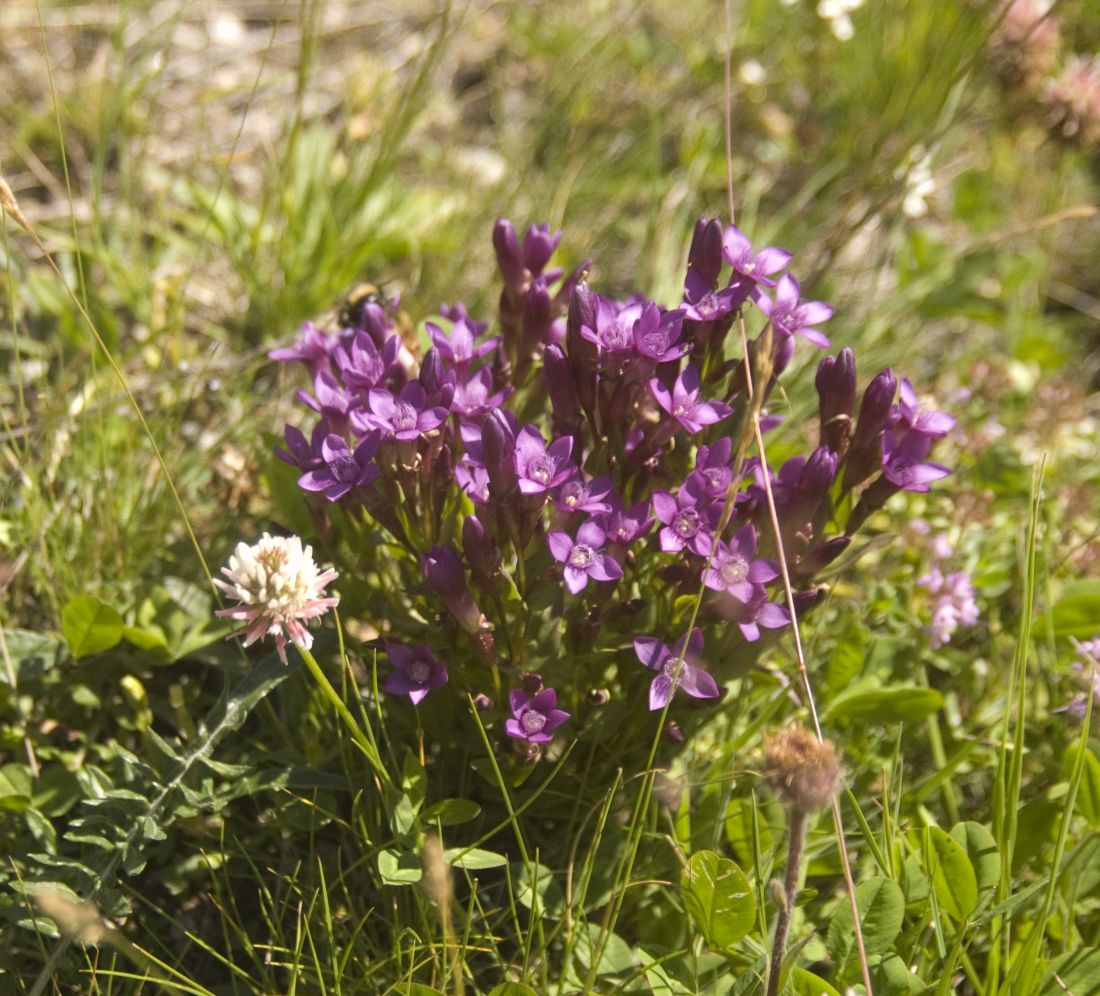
[802, 771]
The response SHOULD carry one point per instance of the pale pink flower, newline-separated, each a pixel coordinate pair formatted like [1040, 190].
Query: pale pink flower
[278, 587]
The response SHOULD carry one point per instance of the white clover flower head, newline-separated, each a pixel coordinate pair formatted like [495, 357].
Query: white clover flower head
[278, 587]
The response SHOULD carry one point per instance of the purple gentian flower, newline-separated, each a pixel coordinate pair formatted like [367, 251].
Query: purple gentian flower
[712, 468]
[360, 363]
[910, 416]
[583, 558]
[344, 468]
[790, 315]
[684, 404]
[578, 495]
[656, 335]
[732, 568]
[614, 331]
[534, 717]
[538, 246]
[757, 612]
[331, 400]
[406, 416]
[751, 269]
[473, 478]
[461, 347]
[416, 671]
[312, 347]
[704, 303]
[540, 467]
[675, 669]
[474, 398]
[302, 453]
[903, 463]
[687, 520]
[624, 525]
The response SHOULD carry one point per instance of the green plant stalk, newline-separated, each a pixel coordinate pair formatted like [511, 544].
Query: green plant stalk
[796, 834]
[366, 743]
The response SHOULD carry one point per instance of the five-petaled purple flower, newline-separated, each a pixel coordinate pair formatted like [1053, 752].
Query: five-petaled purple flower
[406, 416]
[343, 468]
[657, 336]
[461, 347]
[791, 315]
[584, 558]
[579, 495]
[534, 717]
[751, 269]
[903, 463]
[675, 668]
[684, 403]
[416, 671]
[687, 520]
[540, 467]
[313, 348]
[733, 569]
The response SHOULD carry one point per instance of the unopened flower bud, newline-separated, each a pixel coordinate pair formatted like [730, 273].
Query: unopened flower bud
[598, 696]
[445, 574]
[538, 246]
[865, 449]
[705, 254]
[836, 389]
[561, 387]
[438, 382]
[478, 547]
[531, 684]
[537, 315]
[482, 702]
[498, 443]
[803, 771]
[509, 257]
[673, 732]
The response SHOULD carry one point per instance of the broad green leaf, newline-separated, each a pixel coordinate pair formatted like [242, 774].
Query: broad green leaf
[412, 989]
[738, 827]
[150, 640]
[548, 891]
[32, 654]
[719, 899]
[1078, 972]
[451, 812]
[56, 791]
[473, 859]
[953, 876]
[616, 956]
[881, 913]
[1088, 792]
[847, 658]
[982, 850]
[1076, 613]
[15, 788]
[803, 983]
[90, 627]
[402, 813]
[399, 869]
[512, 989]
[893, 978]
[895, 704]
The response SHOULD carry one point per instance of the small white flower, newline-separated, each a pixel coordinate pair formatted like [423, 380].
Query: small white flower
[278, 586]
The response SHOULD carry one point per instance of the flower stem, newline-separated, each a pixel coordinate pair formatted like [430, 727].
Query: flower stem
[365, 741]
[797, 837]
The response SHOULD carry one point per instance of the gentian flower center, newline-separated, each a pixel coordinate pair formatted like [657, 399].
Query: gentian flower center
[404, 416]
[581, 556]
[655, 343]
[542, 468]
[419, 672]
[734, 570]
[532, 721]
[344, 468]
[707, 305]
[617, 336]
[574, 493]
[717, 480]
[685, 523]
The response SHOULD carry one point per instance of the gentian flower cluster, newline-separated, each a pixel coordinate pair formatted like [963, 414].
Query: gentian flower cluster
[544, 490]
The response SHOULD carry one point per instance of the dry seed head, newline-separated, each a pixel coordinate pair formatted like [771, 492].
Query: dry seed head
[436, 882]
[803, 772]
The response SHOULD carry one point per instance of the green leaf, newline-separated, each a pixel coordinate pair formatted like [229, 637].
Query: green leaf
[451, 812]
[230, 712]
[15, 788]
[57, 791]
[399, 869]
[847, 658]
[1079, 972]
[881, 913]
[473, 859]
[719, 899]
[512, 989]
[90, 627]
[33, 654]
[893, 978]
[982, 851]
[616, 956]
[953, 876]
[895, 704]
[803, 983]
[738, 827]
[150, 640]
[1088, 792]
[1076, 613]
[412, 989]
[548, 891]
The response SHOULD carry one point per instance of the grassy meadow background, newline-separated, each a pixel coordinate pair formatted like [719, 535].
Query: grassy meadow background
[202, 177]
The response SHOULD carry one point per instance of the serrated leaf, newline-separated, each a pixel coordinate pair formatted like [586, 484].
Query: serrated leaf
[953, 877]
[473, 859]
[895, 704]
[451, 812]
[719, 898]
[881, 912]
[982, 851]
[89, 626]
